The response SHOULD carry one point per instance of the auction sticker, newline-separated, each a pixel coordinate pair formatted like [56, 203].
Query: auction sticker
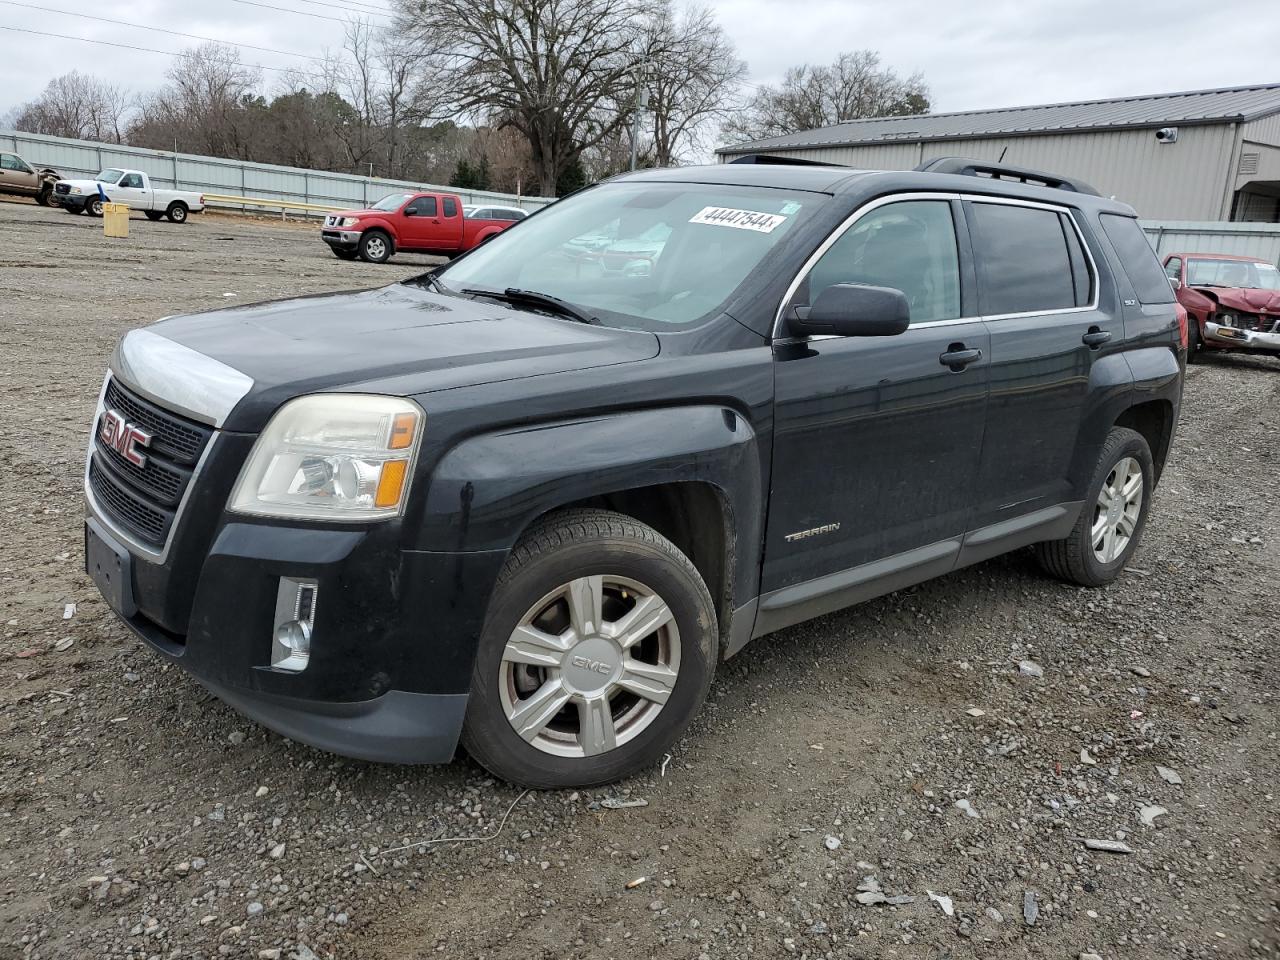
[739, 219]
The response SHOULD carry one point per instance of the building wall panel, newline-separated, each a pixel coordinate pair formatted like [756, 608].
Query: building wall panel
[1187, 180]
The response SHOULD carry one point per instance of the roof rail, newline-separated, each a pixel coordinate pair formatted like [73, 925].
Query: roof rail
[766, 158]
[1003, 171]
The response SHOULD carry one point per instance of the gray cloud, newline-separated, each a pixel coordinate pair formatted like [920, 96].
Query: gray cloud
[1002, 53]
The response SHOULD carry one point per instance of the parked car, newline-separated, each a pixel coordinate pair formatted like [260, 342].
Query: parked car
[412, 222]
[1232, 303]
[531, 507]
[25, 180]
[132, 187]
[493, 212]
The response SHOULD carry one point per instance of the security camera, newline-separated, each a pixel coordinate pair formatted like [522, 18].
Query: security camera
[1167, 135]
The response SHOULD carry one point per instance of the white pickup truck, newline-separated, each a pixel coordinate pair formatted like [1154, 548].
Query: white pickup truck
[126, 186]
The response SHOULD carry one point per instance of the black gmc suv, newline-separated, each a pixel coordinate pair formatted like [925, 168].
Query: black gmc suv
[528, 500]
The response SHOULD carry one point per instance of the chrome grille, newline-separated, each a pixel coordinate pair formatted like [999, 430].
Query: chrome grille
[143, 501]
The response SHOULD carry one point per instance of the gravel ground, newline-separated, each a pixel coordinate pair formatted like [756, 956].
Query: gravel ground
[877, 754]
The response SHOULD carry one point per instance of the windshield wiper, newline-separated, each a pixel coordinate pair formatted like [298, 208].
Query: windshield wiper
[517, 296]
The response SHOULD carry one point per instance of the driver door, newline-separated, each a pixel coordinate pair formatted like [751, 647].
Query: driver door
[877, 439]
[16, 176]
[419, 228]
[130, 190]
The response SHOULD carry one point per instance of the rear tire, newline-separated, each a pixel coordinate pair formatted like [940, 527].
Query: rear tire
[600, 643]
[1111, 523]
[177, 212]
[375, 246]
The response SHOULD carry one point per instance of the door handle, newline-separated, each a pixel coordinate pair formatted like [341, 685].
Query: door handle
[1095, 338]
[958, 356]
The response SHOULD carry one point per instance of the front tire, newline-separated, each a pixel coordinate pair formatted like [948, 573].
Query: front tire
[1114, 516]
[43, 197]
[597, 651]
[93, 207]
[375, 246]
[1195, 345]
[177, 212]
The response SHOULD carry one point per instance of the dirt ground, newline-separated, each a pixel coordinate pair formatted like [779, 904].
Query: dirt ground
[141, 818]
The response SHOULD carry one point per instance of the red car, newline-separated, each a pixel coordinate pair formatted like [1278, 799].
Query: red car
[412, 222]
[1231, 302]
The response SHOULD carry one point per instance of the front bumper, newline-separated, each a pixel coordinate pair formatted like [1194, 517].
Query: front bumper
[1220, 335]
[394, 636]
[341, 239]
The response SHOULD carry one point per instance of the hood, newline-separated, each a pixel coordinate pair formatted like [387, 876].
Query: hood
[361, 214]
[88, 185]
[1248, 299]
[402, 339]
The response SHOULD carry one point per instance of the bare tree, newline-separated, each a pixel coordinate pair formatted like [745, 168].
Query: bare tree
[77, 106]
[854, 87]
[693, 80]
[552, 69]
[205, 106]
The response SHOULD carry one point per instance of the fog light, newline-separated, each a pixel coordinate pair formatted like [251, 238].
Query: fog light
[295, 617]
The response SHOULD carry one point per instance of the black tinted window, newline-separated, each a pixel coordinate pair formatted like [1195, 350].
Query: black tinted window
[1023, 259]
[909, 246]
[1138, 259]
[450, 207]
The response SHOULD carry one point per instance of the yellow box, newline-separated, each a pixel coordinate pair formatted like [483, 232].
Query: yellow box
[115, 219]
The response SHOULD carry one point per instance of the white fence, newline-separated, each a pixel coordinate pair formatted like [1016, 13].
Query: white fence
[1261, 240]
[84, 158]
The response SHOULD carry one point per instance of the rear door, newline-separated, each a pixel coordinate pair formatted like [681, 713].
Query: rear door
[877, 439]
[1051, 322]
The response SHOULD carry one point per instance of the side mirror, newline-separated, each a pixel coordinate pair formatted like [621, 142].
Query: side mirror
[853, 310]
[410, 211]
[1175, 282]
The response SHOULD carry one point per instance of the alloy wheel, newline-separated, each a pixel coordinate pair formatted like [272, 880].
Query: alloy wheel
[376, 247]
[1116, 513]
[589, 666]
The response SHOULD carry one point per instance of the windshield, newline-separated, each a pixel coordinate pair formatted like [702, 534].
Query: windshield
[393, 201]
[1232, 273]
[640, 255]
[110, 176]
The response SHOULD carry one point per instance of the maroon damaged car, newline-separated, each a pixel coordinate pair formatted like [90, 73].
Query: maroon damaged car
[1231, 302]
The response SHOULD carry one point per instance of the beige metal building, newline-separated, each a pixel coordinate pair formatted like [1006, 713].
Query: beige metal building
[1201, 155]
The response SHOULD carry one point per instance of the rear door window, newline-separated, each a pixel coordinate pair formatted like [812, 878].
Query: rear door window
[450, 207]
[1138, 259]
[1025, 264]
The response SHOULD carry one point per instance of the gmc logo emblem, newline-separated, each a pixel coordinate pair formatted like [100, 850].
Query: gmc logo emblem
[123, 437]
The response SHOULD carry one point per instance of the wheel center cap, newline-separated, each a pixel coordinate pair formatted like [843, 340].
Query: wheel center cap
[1115, 511]
[592, 665]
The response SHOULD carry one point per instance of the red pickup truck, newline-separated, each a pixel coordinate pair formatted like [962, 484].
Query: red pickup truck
[413, 222]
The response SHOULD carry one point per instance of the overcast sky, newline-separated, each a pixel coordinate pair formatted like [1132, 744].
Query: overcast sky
[974, 56]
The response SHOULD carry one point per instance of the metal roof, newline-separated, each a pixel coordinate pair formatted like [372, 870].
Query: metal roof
[1227, 105]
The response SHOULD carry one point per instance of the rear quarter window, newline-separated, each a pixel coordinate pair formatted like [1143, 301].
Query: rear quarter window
[1138, 258]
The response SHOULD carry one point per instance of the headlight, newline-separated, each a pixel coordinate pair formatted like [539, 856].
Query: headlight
[332, 456]
[1227, 319]
[348, 222]
[76, 190]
